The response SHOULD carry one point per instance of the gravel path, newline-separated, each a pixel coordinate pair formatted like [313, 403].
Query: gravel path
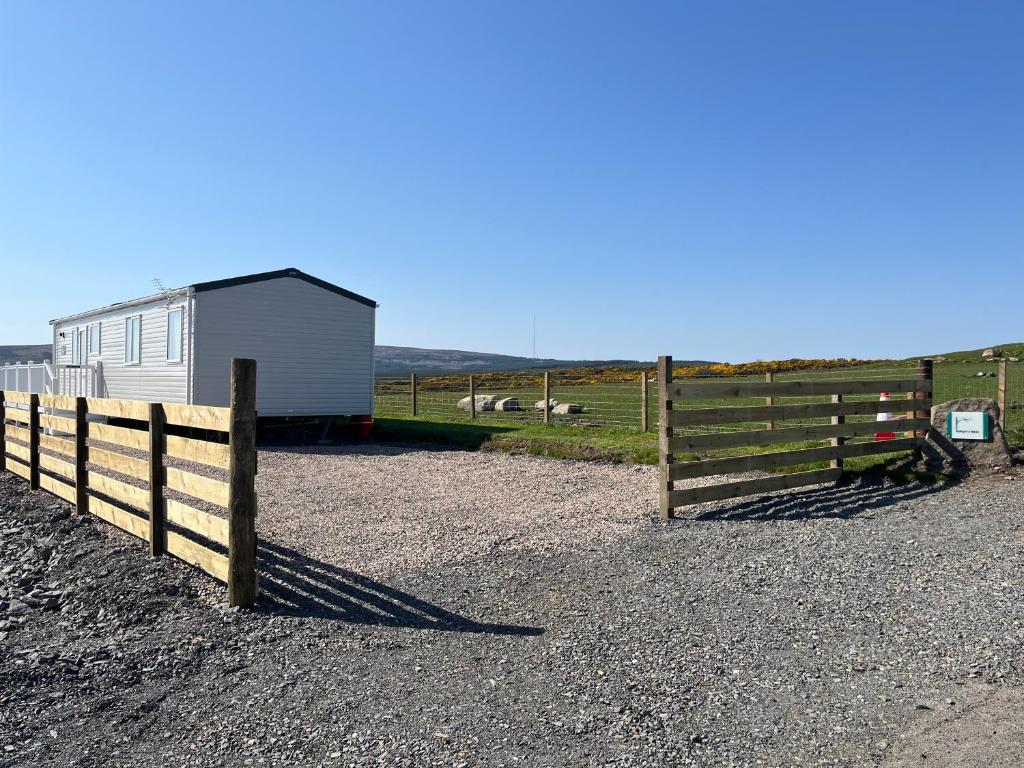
[801, 629]
[384, 510]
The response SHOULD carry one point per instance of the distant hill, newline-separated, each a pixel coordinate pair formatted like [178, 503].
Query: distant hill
[402, 360]
[25, 352]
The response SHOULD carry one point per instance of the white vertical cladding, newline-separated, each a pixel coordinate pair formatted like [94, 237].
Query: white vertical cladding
[313, 347]
[153, 378]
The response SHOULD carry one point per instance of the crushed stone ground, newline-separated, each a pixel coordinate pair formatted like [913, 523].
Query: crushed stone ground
[446, 608]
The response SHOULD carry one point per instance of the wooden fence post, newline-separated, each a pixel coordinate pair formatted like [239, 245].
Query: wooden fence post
[643, 401]
[837, 441]
[3, 429]
[242, 584]
[664, 435]
[412, 385]
[547, 398]
[924, 374]
[33, 441]
[1001, 394]
[472, 397]
[157, 539]
[81, 456]
[769, 377]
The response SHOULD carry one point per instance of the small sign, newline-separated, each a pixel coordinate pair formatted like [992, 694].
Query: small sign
[967, 425]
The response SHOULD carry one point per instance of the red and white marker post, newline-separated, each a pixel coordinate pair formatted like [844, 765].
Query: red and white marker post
[884, 417]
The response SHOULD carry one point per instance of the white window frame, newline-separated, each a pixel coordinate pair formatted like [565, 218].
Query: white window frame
[76, 353]
[180, 311]
[128, 350]
[88, 339]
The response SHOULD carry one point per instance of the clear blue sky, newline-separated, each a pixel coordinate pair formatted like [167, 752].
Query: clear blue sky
[725, 180]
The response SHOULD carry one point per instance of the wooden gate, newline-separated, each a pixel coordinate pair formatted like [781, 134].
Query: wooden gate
[686, 404]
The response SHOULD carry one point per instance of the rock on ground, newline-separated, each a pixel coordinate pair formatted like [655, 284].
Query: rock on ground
[966, 456]
[483, 402]
[564, 408]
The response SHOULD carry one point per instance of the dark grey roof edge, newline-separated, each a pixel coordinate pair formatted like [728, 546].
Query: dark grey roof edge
[289, 272]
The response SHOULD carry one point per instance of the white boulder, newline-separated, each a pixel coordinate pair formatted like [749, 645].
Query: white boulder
[483, 403]
[563, 408]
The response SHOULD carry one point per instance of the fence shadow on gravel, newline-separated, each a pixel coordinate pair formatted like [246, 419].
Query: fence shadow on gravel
[843, 502]
[294, 584]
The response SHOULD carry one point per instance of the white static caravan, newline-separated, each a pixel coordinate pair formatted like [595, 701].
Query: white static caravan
[312, 341]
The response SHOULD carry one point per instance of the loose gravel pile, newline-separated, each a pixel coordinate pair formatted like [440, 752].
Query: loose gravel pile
[800, 629]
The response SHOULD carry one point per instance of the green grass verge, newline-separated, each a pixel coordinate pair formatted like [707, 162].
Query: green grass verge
[557, 441]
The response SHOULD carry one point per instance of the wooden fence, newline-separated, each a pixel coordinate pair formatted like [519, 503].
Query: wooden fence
[671, 395]
[60, 444]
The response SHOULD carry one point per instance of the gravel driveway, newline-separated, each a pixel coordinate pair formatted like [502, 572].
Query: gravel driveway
[383, 510]
[443, 608]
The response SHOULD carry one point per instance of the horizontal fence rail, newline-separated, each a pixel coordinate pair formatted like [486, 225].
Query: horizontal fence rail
[852, 428]
[125, 472]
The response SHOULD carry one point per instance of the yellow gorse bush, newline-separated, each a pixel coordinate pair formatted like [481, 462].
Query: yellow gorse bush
[534, 380]
[769, 366]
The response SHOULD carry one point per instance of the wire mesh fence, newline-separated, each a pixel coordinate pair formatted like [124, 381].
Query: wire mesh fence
[573, 400]
[954, 381]
[590, 400]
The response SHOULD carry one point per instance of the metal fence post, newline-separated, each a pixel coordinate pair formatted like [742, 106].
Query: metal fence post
[664, 437]
[770, 400]
[472, 397]
[242, 586]
[412, 384]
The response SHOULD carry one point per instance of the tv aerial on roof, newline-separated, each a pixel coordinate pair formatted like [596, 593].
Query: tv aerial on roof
[161, 288]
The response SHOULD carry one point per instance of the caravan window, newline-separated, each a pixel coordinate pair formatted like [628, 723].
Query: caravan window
[94, 339]
[174, 318]
[133, 340]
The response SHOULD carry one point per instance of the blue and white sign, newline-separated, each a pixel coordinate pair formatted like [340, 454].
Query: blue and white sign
[967, 425]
